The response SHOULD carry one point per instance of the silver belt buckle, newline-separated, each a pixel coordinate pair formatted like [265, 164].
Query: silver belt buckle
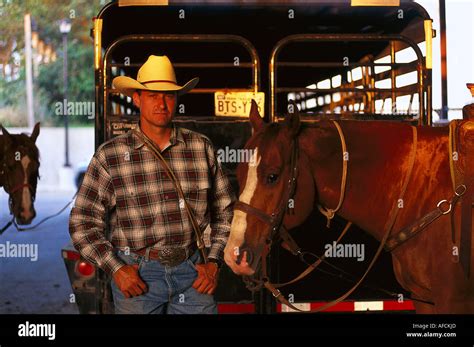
[172, 256]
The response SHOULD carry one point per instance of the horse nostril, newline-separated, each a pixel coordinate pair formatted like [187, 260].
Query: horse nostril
[27, 214]
[249, 257]
[249, 254]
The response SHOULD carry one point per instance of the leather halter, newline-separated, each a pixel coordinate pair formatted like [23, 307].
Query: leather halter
[6, 185]
[10, 191]
[273, 220]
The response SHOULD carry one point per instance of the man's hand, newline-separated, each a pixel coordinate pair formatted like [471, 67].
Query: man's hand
[129, 282]
[206, 281]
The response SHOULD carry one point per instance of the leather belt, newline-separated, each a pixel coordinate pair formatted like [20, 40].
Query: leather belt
[168, 256]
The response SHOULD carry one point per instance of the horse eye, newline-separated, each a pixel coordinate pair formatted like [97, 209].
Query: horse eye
[271, 178]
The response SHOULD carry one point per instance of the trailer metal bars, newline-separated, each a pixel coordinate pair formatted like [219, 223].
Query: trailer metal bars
[425, 110]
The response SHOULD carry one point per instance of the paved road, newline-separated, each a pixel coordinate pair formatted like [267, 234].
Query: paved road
[40, 286]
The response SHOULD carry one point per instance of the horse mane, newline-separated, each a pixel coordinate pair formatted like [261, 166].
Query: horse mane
[272, 130]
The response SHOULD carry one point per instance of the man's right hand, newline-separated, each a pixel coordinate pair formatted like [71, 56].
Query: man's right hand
[129, 282]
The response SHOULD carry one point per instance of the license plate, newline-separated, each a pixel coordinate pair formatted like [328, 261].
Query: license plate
[237, 104]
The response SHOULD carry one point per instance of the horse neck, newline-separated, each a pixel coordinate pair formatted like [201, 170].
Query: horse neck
[366, 202]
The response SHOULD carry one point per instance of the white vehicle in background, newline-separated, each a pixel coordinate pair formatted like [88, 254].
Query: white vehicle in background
[79, 173]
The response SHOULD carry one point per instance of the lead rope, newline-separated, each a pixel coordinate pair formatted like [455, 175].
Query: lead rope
[329, 212]
[312, 266]
[389, 226]
[12, 221]
[169, 172]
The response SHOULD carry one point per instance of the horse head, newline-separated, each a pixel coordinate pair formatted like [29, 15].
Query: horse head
[276, 189]
[19, 164]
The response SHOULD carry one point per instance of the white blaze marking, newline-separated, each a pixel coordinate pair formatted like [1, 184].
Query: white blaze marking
[26, 196]
[239, 222]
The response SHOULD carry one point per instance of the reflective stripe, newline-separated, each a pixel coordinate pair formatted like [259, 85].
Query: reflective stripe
[368, 306]
[301, 306]
[354, 306]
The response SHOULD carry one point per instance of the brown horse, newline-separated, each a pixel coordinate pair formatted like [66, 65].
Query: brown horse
[378, 163]
[19, 164]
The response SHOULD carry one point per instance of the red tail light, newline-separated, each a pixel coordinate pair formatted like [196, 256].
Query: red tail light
[85, 269]
[71, 255]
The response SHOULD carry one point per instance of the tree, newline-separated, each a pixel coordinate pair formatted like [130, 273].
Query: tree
[80, 85]
[47, 15]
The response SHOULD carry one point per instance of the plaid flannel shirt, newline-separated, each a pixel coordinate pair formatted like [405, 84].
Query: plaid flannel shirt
[125, 182]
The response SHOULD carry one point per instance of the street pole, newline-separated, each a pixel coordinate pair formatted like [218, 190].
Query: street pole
[444, 63]
[65, 27]
[29, 71]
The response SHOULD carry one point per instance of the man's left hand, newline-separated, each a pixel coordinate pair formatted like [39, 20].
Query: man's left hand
[206, 281]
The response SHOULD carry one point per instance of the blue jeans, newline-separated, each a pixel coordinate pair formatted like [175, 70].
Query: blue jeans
[170, 289]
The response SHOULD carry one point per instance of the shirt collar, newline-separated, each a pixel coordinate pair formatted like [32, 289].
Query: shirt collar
[176, 135]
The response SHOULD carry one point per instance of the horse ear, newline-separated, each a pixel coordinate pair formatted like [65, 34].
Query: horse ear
[4, 131]
[8, 137]
[293, 119]
[255, 120]
[36, 132]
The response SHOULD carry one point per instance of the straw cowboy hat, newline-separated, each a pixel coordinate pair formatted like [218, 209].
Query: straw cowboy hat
[157, 74]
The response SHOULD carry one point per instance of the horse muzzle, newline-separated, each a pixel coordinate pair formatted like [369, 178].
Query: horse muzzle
[251, 261]
[240, 265]
[249, 256]
[25, 217]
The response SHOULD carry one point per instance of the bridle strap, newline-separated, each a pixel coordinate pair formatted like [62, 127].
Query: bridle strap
[20, 186]
[275, 219]
[287, 194]
[5, 182]
[329, 212]
[249, 209]
[10, 192]
[443, 207]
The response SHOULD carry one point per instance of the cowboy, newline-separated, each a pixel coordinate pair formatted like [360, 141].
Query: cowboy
[151, 253]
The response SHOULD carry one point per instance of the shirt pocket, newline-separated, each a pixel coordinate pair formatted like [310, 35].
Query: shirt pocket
[198, 195]
[136, 207]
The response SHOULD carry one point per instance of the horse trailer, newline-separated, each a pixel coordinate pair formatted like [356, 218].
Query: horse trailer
[334, 60]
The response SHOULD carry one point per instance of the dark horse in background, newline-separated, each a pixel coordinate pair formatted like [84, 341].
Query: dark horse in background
[378, 162]
[19, 164]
